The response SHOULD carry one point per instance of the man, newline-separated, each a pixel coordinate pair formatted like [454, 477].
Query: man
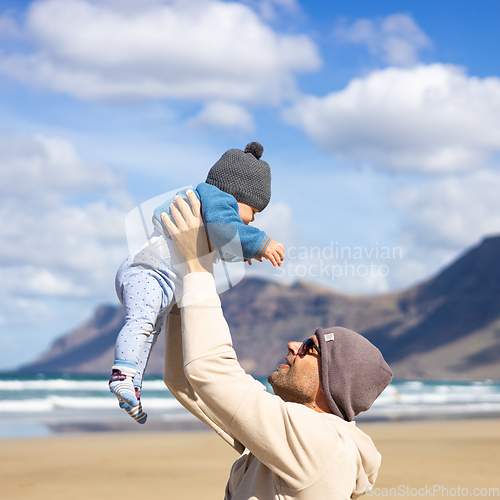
[300, 443]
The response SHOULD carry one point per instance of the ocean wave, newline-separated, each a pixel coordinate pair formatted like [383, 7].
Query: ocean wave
[423, 410]
[416, 393]
[413, 396]
[402, 399]
[70, 385]
[54, 403]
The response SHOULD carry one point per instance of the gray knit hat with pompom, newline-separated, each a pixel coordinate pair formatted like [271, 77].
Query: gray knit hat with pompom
[244, 175]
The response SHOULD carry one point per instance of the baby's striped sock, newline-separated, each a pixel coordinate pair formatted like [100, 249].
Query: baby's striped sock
[121, 384]
[136, 411]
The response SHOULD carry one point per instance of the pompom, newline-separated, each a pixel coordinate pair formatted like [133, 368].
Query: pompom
[255, 148]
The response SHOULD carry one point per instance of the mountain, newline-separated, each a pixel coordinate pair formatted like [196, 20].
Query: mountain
[451, 323]
[446, 327]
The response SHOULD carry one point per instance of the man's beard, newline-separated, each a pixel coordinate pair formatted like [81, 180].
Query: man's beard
[286, 386]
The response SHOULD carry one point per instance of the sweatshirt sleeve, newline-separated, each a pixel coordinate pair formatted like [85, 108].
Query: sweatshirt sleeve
[289, 438]
[224, 225]
[177, 384]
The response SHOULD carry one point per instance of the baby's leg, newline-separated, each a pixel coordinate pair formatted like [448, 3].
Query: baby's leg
[142, 299]
[146, 350]
[136, 412]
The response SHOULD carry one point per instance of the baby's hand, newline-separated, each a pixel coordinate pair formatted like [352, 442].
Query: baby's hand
[275, 252]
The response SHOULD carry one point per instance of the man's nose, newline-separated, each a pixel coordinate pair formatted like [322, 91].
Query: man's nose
[293, 347]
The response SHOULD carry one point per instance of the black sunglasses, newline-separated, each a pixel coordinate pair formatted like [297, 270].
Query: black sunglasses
[307, 346]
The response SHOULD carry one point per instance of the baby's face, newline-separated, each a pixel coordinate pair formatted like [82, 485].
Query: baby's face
[246, 212]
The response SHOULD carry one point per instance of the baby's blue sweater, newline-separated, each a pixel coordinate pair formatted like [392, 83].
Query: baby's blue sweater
[225, 228]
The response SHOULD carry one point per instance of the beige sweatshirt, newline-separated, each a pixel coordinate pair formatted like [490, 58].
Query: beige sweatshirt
[287, 450]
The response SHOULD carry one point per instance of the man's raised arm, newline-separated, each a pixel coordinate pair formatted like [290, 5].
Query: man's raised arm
[175, 379]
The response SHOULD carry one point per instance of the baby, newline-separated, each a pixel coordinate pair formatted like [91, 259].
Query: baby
[148, 283]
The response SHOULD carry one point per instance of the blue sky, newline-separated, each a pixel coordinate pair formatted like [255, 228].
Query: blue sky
[380, 120]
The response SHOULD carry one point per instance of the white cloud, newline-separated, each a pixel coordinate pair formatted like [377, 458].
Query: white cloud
[204, 50]
[32, 281]
[35, 164]
[224, 115]
[395, 39]
[22, 310]
[440, 218]
[430, 119]
[451, 213]
[53, 246]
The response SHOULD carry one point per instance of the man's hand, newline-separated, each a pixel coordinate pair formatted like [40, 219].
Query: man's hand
[275, 252]
[188, 233]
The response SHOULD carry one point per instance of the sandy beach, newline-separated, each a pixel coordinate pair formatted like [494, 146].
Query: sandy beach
[419, 459]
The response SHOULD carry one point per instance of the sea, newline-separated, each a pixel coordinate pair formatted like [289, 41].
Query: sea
[46, 405]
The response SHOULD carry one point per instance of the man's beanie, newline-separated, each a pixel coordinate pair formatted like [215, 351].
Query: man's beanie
[244, 175]
[353, 371]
